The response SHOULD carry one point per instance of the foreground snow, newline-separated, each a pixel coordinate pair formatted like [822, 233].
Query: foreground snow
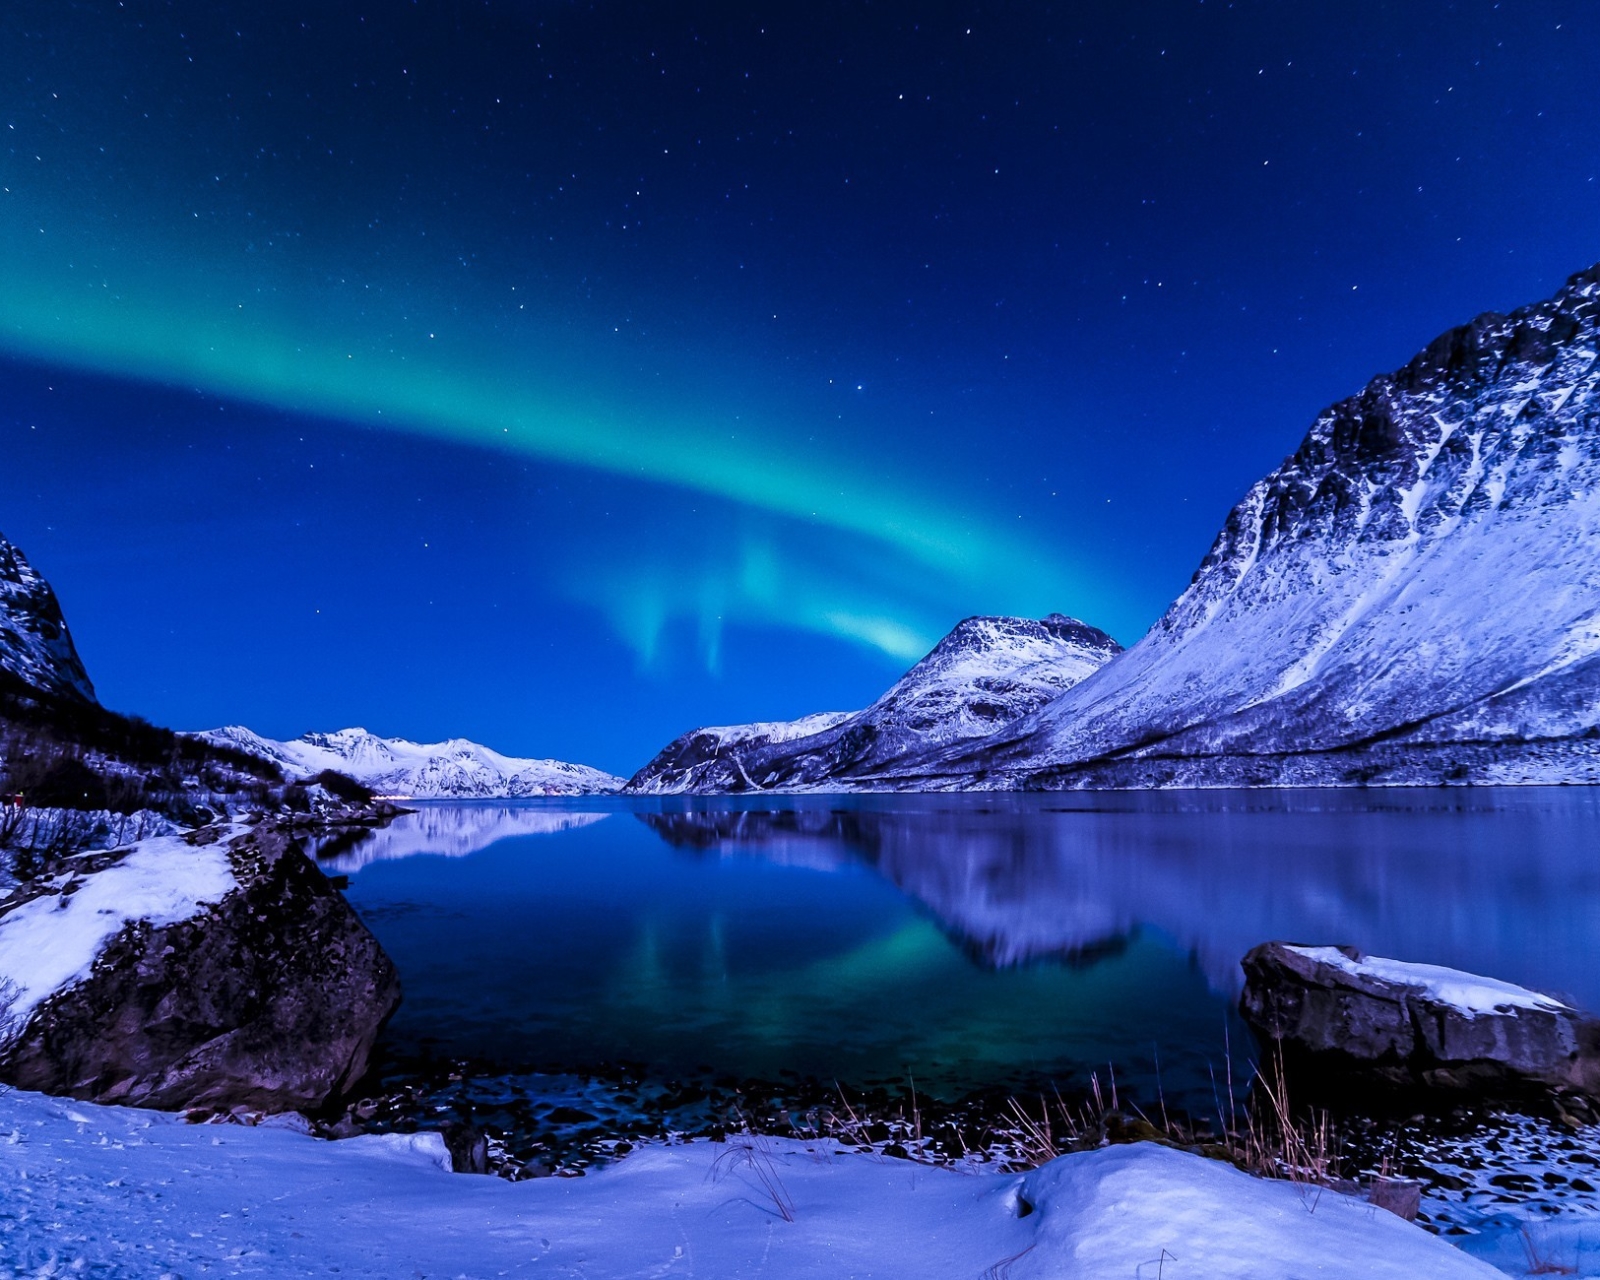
[96, 1190]
[457, 769]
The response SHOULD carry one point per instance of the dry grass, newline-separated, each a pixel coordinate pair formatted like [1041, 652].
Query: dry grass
[1540, 1263]
[1267, 1136]
[750, 1151]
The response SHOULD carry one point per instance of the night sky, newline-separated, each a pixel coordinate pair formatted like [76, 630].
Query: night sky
[565, 376]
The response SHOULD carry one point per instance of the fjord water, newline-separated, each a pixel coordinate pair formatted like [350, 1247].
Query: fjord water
[963, 942]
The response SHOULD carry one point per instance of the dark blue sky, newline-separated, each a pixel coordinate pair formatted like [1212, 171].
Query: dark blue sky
[565, 376]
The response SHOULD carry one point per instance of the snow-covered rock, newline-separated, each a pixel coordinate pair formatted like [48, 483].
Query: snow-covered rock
[1413, 596]
[108, 1190]
[456, 769]
[35, 645]
[50, 941]
[984, 675]
[219, 969]
[1341, 1016]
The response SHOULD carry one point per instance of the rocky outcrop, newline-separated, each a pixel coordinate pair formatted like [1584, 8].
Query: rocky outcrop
[1344, 1019]
[35, 646]
[267, 993]
[986, 674]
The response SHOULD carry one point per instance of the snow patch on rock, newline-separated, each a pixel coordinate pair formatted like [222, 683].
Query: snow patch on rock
[50, 942]
[1469, 994]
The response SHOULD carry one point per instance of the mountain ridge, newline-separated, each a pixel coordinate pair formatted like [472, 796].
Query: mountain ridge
[1412, 596]
[397, 767]
[984, 674]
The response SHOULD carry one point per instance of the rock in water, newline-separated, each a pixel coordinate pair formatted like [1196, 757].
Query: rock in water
[1342, 1017]
[269, 996]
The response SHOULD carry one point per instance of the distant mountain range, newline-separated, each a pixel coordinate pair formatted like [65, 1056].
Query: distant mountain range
[44, 689]
[987, 673]
[395, 767]
[1412, 597]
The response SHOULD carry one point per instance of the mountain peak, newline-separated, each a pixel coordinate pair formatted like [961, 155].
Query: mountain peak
[988, 672]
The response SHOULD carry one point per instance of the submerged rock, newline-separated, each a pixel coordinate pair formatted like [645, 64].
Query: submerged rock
[262, 989]
[1342, 1018]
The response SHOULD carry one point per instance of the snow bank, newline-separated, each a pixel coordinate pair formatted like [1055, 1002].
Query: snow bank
[98, 1189]
[51, 941]
[1468, 993]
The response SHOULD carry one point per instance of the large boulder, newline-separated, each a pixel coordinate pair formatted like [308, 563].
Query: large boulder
[1340, 1017]
[220, 972]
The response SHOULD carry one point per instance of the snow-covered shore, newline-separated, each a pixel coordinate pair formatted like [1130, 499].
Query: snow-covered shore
[114, 1191]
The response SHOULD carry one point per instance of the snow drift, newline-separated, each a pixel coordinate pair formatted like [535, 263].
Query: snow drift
[144, 1193]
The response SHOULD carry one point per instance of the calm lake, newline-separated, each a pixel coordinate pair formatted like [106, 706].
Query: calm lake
[959, 943]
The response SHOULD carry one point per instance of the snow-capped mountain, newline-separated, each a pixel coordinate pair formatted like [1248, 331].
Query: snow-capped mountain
[1413, 596]
[985, 674]
[456, 769]
[35, 645]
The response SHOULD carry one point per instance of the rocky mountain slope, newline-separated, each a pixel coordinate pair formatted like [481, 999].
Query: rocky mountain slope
[1412, 597]
[80, 767]
[456, 769]
[985, 674]
[35, 646]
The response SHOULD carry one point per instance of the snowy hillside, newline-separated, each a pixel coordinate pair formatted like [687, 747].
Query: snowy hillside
[456, 769]
[985, 674]
[1413, 596]
[35, 646]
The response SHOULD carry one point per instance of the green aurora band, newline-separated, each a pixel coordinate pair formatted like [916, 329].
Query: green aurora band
[289, 331]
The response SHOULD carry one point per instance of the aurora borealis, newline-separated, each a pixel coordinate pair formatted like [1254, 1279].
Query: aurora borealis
[563, 376]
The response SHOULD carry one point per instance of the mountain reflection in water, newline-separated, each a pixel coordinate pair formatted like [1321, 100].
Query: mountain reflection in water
[451, 831]
[1503, 882]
